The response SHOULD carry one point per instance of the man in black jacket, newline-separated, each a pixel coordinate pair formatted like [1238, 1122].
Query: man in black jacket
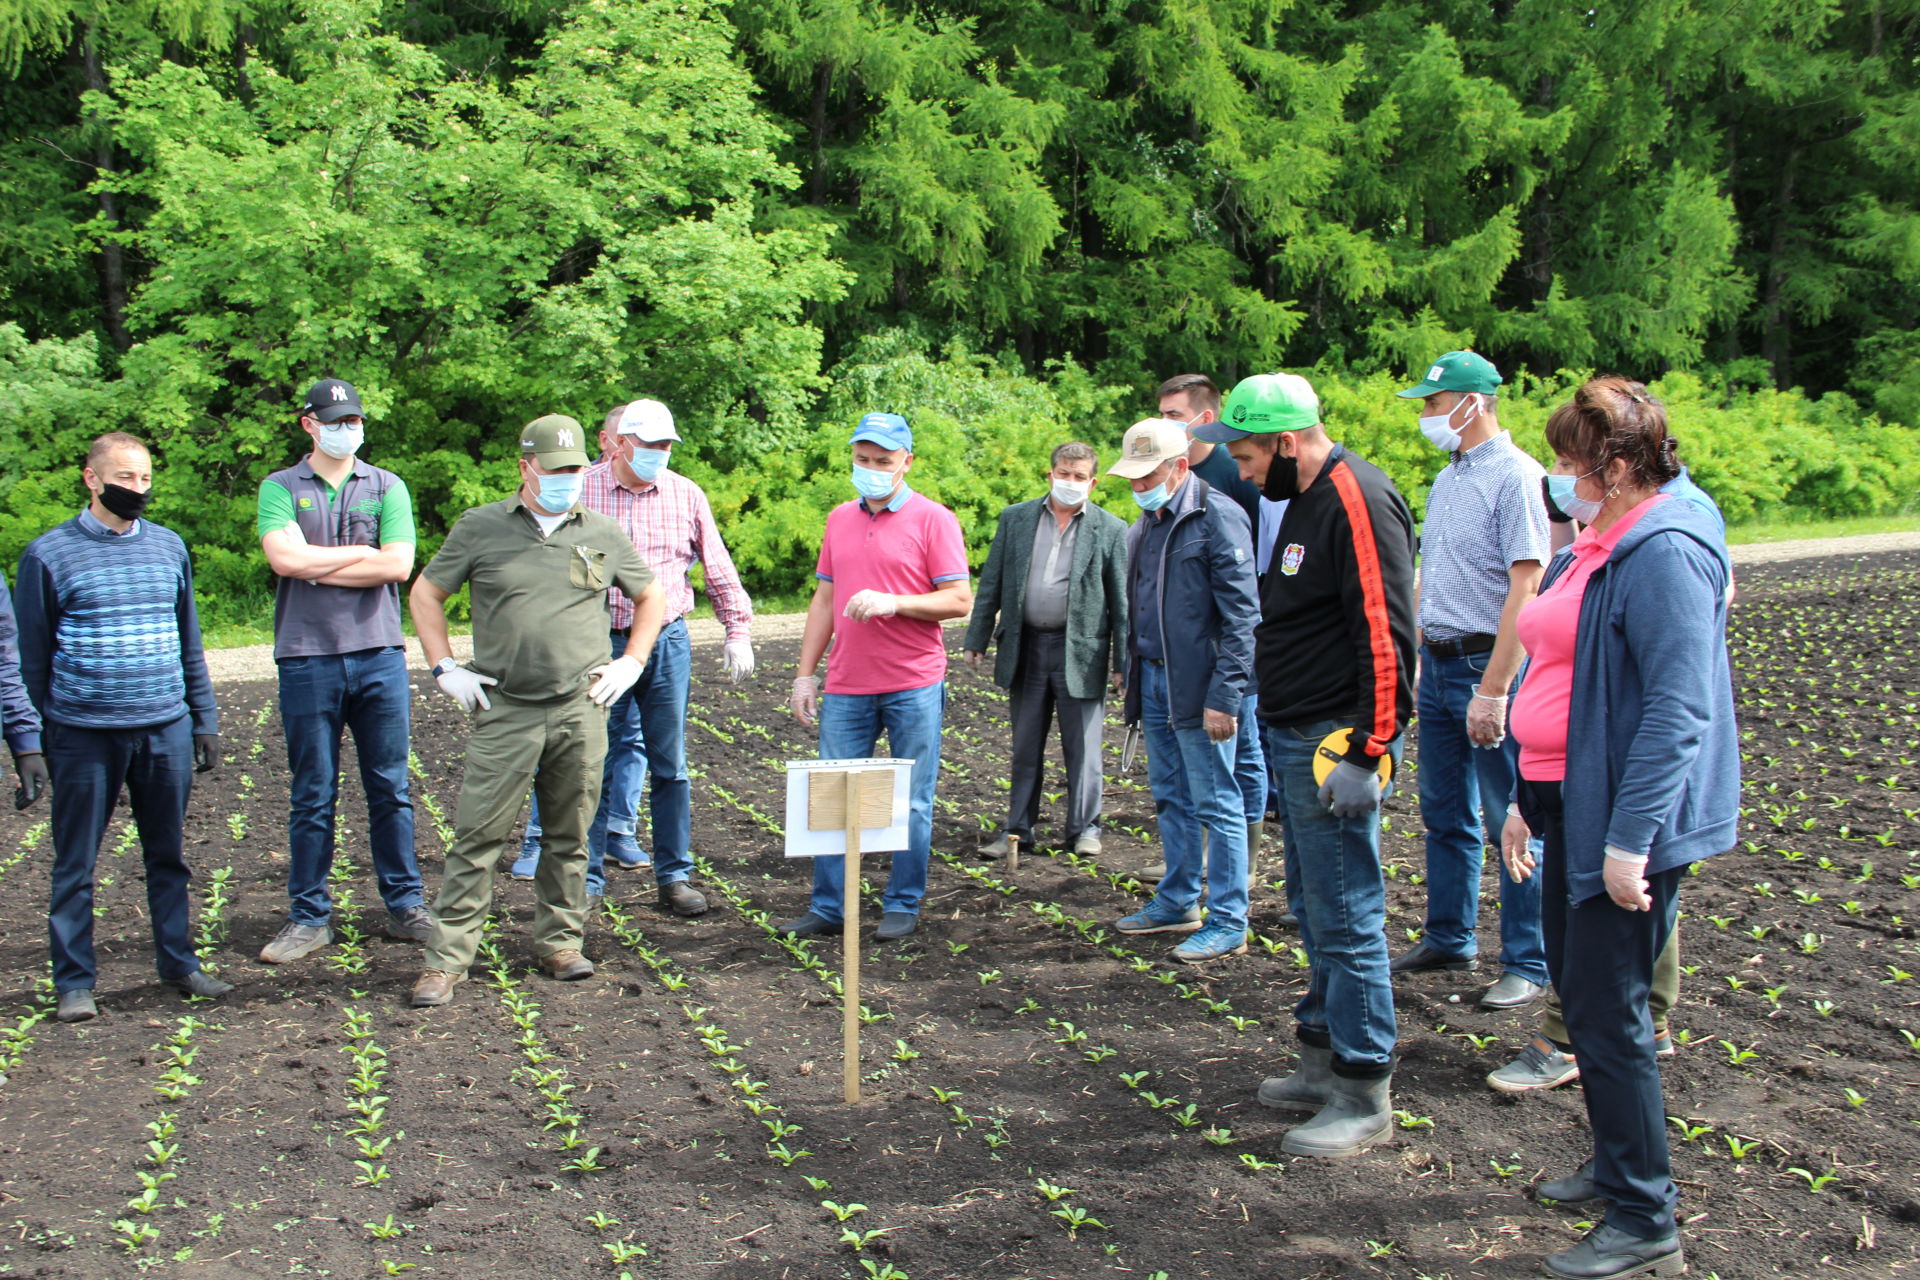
[1191, 608]
[1334, 652]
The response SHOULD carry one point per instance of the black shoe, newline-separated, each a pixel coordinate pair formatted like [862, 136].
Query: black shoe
[682, 899]
[198, 984]
[76, 1005]
[810, 925]
[895, 924]
[1608, 1252]
[1576, 1188]
[1287, 920]
[1424, 958]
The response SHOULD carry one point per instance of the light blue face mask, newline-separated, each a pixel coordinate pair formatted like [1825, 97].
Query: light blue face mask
[1560, 489]
[648, 463]
[559, 493]
[874, 485]
[1153, 499]
[341, 442]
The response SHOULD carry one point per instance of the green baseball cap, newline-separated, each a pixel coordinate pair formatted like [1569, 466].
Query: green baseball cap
[1261, 405]
[554, 441]
[1457, 371]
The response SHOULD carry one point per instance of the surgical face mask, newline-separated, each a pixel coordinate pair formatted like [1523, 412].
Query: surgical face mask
[1438, 429]
[559, 492]
[1153, 499]
[873, 485]
[1071, 493]
[341, 442]
[648, 463]
[1560, 488]
[123, 502]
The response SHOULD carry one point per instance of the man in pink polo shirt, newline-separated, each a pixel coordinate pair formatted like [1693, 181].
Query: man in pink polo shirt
[892, 568]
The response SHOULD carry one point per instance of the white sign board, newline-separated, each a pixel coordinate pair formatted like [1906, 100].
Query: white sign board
[802, 843]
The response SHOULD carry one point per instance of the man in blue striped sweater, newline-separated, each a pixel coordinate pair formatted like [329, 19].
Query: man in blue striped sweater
[110, 652]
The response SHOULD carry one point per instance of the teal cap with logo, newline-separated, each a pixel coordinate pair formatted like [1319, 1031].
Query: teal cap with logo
[1457, 371]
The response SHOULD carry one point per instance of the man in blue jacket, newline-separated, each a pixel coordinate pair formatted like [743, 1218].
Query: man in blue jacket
[1189, 666]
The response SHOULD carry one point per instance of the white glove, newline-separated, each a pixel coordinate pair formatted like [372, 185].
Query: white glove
[468, 688]
[1625, 879]
[867, 605]
[614, 679]
[739, 656]
[805, 703]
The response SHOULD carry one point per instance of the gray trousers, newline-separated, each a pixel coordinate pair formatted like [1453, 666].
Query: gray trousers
[1039, 690]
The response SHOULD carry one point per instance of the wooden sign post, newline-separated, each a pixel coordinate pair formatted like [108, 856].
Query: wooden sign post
[1013, 853]
[826, 798]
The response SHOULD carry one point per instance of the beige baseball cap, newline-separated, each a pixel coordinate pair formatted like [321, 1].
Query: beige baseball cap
[1147, 444]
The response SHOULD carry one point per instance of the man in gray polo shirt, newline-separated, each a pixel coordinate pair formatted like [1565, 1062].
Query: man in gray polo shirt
[1053, 596]
[339, 534]
[1483, 548]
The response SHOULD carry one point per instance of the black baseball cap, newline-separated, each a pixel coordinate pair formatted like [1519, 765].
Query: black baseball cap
[331, 400]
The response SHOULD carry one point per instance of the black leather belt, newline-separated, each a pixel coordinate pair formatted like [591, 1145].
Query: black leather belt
[1460, 648]
[1152, 662]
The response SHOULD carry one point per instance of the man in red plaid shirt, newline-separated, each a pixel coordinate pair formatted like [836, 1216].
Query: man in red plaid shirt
[670, 521]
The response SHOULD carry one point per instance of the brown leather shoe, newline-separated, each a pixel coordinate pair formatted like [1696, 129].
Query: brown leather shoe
[435, 986]
[567, 966]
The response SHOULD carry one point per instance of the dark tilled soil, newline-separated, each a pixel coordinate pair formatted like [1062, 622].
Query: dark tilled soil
[1016, 1047]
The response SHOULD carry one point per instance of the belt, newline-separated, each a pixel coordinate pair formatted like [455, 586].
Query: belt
[1153, 662]
[1460, 648]
[621, 631]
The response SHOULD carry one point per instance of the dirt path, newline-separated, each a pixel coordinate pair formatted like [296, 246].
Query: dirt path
[255, 662]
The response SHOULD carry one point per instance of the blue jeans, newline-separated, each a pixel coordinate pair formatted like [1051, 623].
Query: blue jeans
[1194, 786]
[850, 728]
[1250, 761]
[1464, 790]
[88, 767]
[1335, 887]
[366, 692]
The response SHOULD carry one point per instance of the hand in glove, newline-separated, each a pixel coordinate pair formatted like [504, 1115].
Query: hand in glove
[1486, 720]
[739, 659]
[32, 768]
[1625, 878]
[805, 703]
[614, 679]
[1350, 791]
[1515, 849]
[203, 746]
[867, 605]
[468, 688]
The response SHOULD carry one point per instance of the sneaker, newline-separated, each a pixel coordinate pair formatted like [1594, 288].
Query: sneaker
[1211, 943]
[625, 851]
[1147, 920]
[567, 966]
[435, 987]
[1663, 1046]
[528, 862]
[415, 924]
[294, 942]
[1087, 845]
[1539, 1066]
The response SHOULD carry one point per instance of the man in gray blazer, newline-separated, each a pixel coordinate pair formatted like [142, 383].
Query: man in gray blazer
[1056, 579]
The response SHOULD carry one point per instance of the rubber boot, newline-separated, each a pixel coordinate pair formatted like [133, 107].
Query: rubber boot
[1307, 1089]
[1358, 1114]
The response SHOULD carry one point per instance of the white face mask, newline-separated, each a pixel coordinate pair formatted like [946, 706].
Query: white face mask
[1437, 427]
[1071, 493]
[341, 442]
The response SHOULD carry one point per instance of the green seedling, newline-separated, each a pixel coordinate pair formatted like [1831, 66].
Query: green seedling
[624, 1251]
[1218, 1136]
[1738, 1149]
[1050, 1191]
[1099, 1053]
[1407, 1120]
[1504, 1170]
[588, 1163]
[1689, 1132]
[1736, 1056]
[842, 1212]
[1854, 1097]
[1255, 1163]
[1816, 1183]
[1824, 1008]
[385, 1230]
[1077, 1220]
[881, 1270]
[862, 1239]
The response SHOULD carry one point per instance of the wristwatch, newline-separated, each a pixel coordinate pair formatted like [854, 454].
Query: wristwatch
[445, 665]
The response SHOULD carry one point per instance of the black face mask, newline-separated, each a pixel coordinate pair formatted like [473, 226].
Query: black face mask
[128, 504]
[1283, 479]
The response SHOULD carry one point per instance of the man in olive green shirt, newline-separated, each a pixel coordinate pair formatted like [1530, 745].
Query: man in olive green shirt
[539, 565]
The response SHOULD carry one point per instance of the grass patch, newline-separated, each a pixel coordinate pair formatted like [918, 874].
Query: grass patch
[1790, 528]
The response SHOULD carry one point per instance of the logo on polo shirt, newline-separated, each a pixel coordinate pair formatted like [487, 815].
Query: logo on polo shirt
[306, 504]
[1290, 560]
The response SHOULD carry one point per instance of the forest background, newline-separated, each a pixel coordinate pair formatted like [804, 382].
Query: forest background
[1008, 221]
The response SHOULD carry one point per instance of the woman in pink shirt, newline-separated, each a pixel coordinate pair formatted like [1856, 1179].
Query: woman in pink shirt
[1629, 773]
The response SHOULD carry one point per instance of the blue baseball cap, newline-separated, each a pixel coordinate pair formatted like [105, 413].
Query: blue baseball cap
[888, 430]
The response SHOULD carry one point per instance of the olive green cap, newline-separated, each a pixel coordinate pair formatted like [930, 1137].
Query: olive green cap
[554, 441]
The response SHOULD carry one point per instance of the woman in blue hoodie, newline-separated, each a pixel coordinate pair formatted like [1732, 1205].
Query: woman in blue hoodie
[1629, 772]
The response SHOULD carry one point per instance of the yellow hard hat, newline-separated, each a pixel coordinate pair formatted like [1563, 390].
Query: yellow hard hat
[1333, 749]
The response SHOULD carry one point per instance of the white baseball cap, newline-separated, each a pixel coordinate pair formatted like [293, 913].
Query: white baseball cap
[649, 420]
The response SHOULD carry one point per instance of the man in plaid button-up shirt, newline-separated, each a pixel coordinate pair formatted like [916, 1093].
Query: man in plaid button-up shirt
[670, 521]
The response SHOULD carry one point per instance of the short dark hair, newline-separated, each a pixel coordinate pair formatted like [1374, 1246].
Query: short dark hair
[107, 442]
[1616, 417]
[1198, 387]
[1073, 451]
